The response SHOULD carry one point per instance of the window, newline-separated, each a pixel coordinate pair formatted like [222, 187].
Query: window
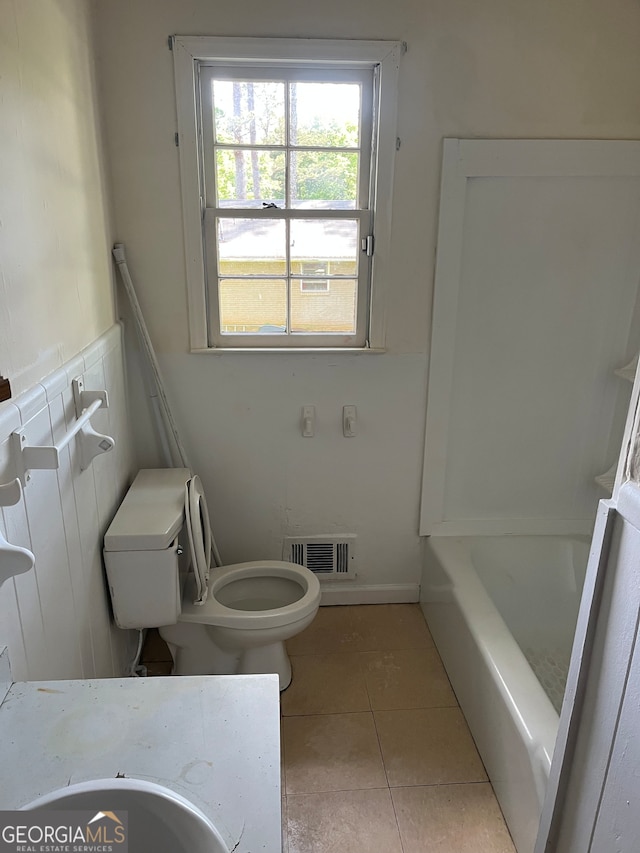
[319, 283]
[286, 177]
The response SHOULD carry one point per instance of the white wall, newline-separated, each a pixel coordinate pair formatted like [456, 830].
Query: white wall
[55, 280]
[499, 69]
[56, 299]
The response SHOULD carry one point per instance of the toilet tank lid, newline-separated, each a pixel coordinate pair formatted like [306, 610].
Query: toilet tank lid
[152, 512]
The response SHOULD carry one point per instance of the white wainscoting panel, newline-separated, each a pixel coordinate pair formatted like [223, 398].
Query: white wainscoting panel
[56, 618]
[536, 306]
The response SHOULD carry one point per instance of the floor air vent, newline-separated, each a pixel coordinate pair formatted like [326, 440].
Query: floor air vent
[328, 557]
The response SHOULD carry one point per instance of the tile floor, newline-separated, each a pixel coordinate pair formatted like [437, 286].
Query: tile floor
[156, 656]
[376, 755]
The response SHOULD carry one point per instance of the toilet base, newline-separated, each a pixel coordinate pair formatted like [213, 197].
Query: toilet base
[195, 653]
[267, 659]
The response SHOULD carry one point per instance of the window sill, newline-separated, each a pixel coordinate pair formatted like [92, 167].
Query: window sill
[292, 350]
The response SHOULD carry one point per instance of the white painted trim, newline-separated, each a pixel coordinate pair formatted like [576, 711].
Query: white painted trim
[503, 158]
[244, 50]
[445, 308]
[97, 349]
[185, 70]
[629, 503]
[187, 52]
[289, 350]
[381, 271]
[33, 400]
[594, 751]
[9, 421]
[564, 751]
[628, 459]
[385, 593]
[514, 527]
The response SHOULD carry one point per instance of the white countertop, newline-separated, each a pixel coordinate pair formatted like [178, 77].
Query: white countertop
[213, 739]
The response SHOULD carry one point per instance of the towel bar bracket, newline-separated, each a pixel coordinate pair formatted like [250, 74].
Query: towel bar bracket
[83, 399]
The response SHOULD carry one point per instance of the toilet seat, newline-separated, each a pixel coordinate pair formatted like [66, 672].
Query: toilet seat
[199, 602]
[213, 612]
[199, 534]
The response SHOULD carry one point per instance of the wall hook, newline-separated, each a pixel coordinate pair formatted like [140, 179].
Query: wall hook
[11, 493]
[14, 560]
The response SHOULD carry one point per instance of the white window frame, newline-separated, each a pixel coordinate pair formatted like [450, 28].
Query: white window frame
[189, 53]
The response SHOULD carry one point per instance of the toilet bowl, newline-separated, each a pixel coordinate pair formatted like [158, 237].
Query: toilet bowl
[230, 619]
[252, 608]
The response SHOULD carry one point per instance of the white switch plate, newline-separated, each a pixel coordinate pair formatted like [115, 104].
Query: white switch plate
[308, 421]
[349, 421]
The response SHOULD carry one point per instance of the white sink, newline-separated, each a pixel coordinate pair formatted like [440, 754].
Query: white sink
[158, 819]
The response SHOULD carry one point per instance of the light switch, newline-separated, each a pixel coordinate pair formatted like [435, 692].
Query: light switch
[349, 421]
[308, 421]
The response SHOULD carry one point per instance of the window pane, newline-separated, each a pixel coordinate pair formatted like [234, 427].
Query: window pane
[324, 179]
[332, 243]
[251, 247]
[251, 113]
[253, 306]
[248, 178]
[332, 310]
[325, 114]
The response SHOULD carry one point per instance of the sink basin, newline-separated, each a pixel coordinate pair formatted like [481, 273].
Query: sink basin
[158, 818]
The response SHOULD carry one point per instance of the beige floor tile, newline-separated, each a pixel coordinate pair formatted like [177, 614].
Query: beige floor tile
[331, 631]
[159, 667]
[428, 747]
[326, 684]
[451, 819]
[406, 678]
[332, 752]
[282, 783]
[285, 835]
[343, 822]
[363, 628]
[384, 627]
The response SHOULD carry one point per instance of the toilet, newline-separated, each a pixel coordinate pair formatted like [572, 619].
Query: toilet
[216, 621]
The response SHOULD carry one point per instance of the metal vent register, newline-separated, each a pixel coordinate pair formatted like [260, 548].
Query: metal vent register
[329, 557]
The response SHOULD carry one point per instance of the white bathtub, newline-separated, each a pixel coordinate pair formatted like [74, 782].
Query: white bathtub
[487, 601]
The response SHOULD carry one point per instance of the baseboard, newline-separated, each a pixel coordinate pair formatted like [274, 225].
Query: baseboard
[384, 593]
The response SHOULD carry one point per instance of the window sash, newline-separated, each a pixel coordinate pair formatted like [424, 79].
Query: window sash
[286, 339]
[365, 77]
[208, 72]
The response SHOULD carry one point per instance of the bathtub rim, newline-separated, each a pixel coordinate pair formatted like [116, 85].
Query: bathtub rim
[534, 716]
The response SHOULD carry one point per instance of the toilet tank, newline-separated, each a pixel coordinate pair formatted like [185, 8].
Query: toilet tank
[141, 550]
